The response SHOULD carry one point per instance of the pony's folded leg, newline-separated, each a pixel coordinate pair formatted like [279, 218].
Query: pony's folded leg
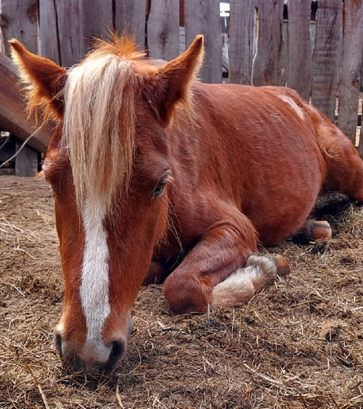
[245, 282]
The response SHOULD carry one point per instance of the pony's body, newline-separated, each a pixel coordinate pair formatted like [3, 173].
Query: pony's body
[159, 177]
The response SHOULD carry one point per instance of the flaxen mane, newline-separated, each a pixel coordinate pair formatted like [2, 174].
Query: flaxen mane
[99, 120]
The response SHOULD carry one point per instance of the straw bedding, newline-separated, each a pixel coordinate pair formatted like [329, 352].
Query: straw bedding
[298, 344]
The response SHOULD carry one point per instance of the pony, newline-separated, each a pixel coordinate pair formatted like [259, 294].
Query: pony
[159, 178]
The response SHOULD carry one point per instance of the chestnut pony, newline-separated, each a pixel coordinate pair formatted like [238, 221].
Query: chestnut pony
[160, 178]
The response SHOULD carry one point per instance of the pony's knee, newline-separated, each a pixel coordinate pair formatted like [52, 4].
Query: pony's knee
[244, 283]
[186, 294]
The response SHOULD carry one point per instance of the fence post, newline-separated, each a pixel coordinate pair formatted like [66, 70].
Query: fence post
[203, 17]
[299, 50]
[97, 20]
[267, 66]
[163, 29]
[326, 56]
[242, 26]
[130, 18]
[19, 20]
[350, 74]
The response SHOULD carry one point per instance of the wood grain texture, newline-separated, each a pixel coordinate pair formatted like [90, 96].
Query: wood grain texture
[19, 19]
[350, 74]
[242, 27]
[48, 31]
[327, 56]
[12, 108]
[97, 20]
[299, 50]
[163, 29]
[69, 18]
[202, 17]
[26, 162]
[268, 61]
[130, 19]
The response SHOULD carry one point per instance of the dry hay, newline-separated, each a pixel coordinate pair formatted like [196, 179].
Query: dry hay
[298, 344]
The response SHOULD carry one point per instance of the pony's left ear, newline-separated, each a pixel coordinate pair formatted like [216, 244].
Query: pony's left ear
[44, 78]
[172, 80]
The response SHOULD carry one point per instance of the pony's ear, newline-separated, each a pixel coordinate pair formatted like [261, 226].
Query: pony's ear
[172, 80]
[44, 79]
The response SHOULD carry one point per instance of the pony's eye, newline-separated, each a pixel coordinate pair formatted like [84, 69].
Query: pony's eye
[158, 191]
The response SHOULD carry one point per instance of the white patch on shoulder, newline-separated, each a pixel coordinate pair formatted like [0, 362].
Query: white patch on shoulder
[94, 289]
[293, 105]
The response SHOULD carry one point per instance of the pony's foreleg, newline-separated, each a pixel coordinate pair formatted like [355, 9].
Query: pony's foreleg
[245, 282]
[223, 249]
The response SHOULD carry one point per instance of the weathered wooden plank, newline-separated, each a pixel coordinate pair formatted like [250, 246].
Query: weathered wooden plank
[12, 108]
[299, 50]
[69, 13]
[130, 18]
[327, 56]
[26, 161]
[202, 17]
[60, 31]
[350, 74]
[242, 30]
[19, 19]
[163, 29]
[267, 64]
[48, 31]
[97, 20]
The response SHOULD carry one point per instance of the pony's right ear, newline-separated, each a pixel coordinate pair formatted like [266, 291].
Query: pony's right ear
[172, 81]
[44, 79]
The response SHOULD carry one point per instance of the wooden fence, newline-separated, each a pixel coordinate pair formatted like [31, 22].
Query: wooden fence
[269, 42]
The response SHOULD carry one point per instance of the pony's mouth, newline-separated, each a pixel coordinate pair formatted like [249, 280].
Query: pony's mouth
[77, 364]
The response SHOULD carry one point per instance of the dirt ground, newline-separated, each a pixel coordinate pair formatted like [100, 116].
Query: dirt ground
[298, 344]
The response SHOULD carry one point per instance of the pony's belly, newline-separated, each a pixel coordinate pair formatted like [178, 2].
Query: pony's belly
[285, 219]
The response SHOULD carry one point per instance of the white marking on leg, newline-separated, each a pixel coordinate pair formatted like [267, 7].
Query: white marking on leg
[94, 289]
[243, 284]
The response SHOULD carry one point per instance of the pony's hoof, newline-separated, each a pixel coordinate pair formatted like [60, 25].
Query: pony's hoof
[282, 266]
[320, 230]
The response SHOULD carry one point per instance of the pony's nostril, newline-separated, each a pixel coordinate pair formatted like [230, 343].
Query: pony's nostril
[58, 343]
[117, 351]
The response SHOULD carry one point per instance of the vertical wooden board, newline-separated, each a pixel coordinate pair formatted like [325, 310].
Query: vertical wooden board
[69, 16]
[97, 20]
[130, 18]
[26, 161]
[48, 31]
[350, 74]
[203, 17]
[327, 56]
[360, 145]
[267, 65]
[242, 29]
[19, 19]
[163, 29]
[299, 47]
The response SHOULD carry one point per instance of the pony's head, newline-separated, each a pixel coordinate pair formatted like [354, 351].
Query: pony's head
[109, 166]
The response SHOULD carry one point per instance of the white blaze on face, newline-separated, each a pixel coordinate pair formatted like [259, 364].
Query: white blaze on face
[94, 289]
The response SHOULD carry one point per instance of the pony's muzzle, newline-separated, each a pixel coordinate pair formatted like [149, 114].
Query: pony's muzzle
[105, 357]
